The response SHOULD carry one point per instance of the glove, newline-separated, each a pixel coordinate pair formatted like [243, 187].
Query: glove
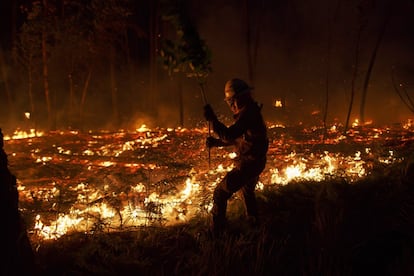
[212, 142]
[209, 113]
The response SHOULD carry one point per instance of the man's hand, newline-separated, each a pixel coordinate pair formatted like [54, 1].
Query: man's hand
[213, 142]
[209, 113]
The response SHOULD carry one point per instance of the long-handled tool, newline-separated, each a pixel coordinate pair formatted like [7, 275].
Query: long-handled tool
[203, 95]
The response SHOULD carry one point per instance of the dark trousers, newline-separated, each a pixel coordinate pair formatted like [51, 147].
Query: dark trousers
[243, 178]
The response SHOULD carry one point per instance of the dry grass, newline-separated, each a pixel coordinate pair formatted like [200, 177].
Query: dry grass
[307, 228]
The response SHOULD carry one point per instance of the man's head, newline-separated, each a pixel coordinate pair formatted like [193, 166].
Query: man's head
[236, 94]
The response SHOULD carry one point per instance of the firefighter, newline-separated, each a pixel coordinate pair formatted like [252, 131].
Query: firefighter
[248, 134]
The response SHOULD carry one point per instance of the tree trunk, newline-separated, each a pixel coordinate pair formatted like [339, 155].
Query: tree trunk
[46, 71]
[114, 88]
[6, 85]
[331, 22]
[404, 96]
[371, 65]
[354, 77]
[83, 99]
[181, 101]
[252, 46]
[248, 40]
[71, 97]
[153, 44]
[13, 29]
[30, 90]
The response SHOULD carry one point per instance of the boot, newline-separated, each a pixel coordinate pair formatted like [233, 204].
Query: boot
[217, 226]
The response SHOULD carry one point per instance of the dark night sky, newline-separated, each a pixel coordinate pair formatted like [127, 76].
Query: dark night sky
[293, 53]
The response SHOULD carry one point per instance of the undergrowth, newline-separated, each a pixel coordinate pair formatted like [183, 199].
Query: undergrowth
[306, 228]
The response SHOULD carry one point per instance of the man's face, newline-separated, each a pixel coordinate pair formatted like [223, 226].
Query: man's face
[232, 103]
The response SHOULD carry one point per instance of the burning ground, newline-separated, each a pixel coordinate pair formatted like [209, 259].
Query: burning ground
[71, 181]
[103, 182]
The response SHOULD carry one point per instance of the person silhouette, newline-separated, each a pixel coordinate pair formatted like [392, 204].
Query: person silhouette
[248, 134]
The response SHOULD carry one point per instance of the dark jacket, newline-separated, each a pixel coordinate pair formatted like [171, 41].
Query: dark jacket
[248, 134]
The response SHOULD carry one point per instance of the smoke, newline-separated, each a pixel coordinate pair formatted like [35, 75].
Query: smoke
[292, 62]
[293, 56]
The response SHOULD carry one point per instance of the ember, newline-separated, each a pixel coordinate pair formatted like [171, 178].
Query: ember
[71, 181]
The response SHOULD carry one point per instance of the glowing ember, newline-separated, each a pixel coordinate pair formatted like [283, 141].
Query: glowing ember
[278, 103]
[85, 182]
[21, 134]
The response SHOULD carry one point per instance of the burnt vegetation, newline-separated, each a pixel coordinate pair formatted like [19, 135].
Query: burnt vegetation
[307, 228]
[329, 227]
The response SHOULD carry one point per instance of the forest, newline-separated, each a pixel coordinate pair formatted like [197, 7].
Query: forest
[117, 64]
[72, 64]
[103, 140]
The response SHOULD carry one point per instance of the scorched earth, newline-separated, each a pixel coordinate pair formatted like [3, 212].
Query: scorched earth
[71, 181]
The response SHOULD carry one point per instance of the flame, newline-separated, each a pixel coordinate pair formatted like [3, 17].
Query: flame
[143, 128]
[129, 179]
[21, 134]
[278, 103]
[327, 167]
[408, 124]
[355, 123]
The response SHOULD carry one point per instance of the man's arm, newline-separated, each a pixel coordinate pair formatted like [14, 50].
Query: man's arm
[230, 133]
[214, 142]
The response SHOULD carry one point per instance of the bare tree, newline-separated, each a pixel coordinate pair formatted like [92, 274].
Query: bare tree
[388, 12]
[5, 77]
[110, 24]
[252, 22]
[45, 67]
[154, 19]
[32, 46]
[402, 92]
[331, 20]
[362, 20]
[354, 77]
